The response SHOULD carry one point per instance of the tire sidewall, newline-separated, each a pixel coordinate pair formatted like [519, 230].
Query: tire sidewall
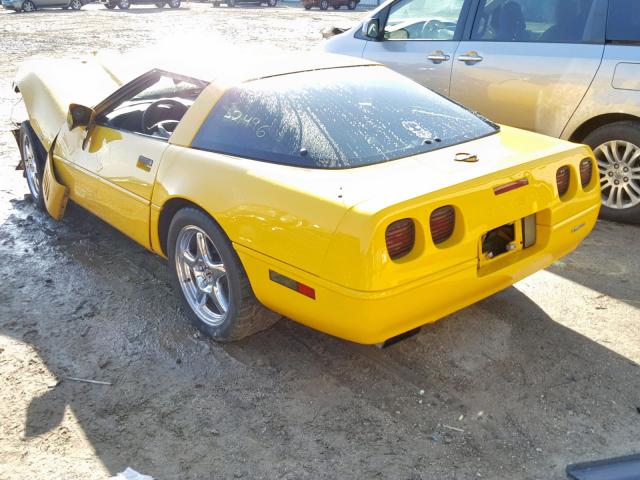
[27, 134]
[625, 131]
[33, 6]
[174, 4]
[193, 216]
[324, 5]
[77, 3]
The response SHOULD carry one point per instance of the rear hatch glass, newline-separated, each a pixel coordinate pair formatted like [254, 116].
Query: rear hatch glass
[336, 118]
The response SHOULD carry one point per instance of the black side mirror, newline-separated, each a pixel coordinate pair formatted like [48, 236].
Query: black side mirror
[80, 116]
[371, 28]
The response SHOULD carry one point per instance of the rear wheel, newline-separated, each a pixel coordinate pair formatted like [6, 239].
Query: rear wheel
[213, 285]
[324, 5]
[33, 159]
[28, 6]
[617, 149]
[123, 4]
[75, 4]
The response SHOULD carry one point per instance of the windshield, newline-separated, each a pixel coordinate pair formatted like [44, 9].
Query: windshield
[336, 118]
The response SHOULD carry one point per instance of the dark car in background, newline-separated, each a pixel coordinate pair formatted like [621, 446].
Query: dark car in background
[125, 4]
[233, 3]
[325, 4]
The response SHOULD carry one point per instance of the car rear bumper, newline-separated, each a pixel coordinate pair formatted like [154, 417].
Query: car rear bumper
[373, 317]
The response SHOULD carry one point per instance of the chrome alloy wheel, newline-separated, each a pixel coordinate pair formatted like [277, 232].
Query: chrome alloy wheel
[619, 164]
[31, 168]
[202, 275]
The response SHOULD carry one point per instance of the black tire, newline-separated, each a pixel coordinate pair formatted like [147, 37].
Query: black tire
[627, 131]
[28, 6]
[174, 4]
[29, 140]
[324, 5]
[307, 7]
[110, 5]
[245, 315]
[352, 4]
[75, 4]
[123, 4]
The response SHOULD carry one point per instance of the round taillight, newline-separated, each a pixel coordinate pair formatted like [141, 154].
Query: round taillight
[586, 171]
[563, 176]
[442, 222]
[401, 236]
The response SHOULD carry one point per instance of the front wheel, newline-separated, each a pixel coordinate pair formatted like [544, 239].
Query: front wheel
[213, 285]
[33, 159]
[617, 150]
[28, 6]
[75, 4]
[324, 5]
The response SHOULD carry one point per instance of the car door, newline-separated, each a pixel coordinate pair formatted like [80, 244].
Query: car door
[529, 63]
[420, 40]
[111, 172]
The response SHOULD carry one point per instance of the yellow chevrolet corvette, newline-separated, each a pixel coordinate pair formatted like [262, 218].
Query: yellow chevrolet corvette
[326, 189]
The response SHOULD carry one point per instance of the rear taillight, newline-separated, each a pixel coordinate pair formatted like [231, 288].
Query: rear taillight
[442, 222]
[586, 171]
[401, 236]
[563, 176]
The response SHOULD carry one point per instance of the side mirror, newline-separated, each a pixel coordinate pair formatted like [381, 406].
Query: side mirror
[80, 116]
[371, 28]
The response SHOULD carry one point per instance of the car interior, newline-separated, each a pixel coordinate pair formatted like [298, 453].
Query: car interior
[156, 110]
[551, 21]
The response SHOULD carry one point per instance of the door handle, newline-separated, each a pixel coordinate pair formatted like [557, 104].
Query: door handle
[144, 162]
[438, 57]
[470, 57]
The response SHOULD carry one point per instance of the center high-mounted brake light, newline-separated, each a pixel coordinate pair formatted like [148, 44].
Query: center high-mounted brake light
[507, 187]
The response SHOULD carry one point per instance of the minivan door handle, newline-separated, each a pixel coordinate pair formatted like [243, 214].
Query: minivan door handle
[438, 57]
[470, 57]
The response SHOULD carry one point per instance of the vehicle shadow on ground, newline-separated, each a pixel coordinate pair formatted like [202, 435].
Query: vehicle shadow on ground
[498, 389]
[607, 262]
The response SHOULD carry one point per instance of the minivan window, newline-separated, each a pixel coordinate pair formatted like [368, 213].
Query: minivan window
[335, 118]
[423, 20]
[623, 24]
[544, 21]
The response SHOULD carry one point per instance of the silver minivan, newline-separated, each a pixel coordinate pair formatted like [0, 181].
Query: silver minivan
[566, 68]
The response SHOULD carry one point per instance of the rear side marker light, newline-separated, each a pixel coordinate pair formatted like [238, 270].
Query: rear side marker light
[586, 171]
[507, 187]
[305, 290]
[400, 237]
[442, 223]
[563, 175]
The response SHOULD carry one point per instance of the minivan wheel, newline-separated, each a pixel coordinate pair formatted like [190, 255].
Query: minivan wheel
[123, 4]
[28, 6]
[617, 150]
[75, 4]
[324, 5]
[352, 5]
[212, 283]
[174, 3]
[33, 160]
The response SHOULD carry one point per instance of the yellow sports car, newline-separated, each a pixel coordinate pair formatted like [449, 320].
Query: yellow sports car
[326, 189]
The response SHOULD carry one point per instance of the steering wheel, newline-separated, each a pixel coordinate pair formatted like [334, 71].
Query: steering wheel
[432, 26]
[155, 110]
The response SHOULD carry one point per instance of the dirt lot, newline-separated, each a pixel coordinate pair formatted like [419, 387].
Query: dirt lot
[539, 376]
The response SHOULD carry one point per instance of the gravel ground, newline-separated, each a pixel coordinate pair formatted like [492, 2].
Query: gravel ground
[515, 387]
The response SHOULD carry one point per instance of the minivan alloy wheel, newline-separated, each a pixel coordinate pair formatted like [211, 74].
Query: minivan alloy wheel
[75, 4]
[28, 6]
[619, 163]
[202, 275]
